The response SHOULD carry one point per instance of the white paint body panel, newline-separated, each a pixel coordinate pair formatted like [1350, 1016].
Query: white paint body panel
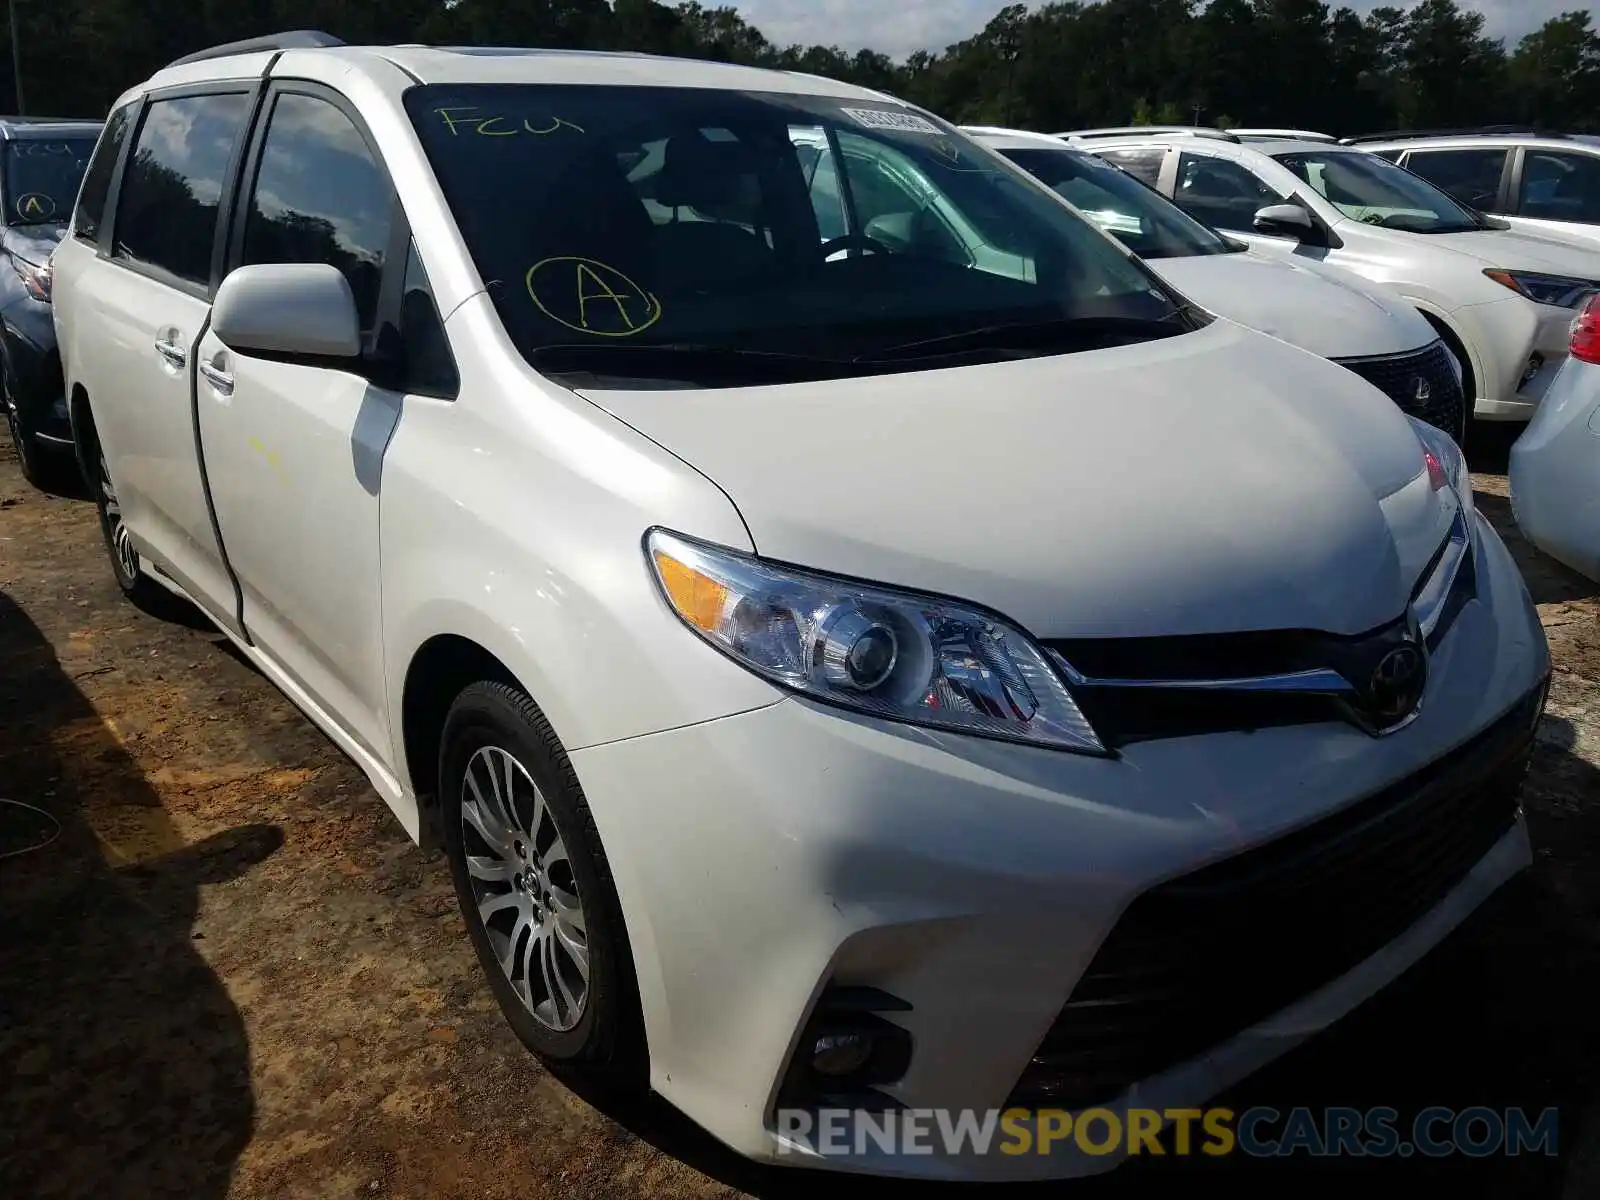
[1221, 480]
[1555, 471]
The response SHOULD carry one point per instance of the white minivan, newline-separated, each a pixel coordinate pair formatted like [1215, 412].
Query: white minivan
[844, 684]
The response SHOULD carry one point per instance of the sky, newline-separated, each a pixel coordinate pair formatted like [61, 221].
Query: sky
[897, 27]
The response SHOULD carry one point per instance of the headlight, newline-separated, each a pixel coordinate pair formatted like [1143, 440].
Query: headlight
[1444, 462]
[35, 279]
[1560, 291]
[895, 655]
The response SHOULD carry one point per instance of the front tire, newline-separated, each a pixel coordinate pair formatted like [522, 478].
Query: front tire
[40, 468]
[534, 886]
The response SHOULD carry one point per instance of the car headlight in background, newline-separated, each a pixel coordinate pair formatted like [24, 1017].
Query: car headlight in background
[1559, 291]
[895, 655]
[1444, 461]
[35, 279]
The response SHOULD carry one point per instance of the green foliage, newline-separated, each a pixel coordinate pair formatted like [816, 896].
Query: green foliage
[1302, 63]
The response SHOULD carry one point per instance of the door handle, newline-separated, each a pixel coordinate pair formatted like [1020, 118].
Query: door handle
[217, 378]
[171, 351]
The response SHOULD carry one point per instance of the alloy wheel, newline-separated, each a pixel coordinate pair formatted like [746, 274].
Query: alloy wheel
[116, 530]
[524, 889]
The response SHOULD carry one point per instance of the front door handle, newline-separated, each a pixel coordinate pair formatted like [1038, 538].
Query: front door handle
[171, 351]
[217, 378]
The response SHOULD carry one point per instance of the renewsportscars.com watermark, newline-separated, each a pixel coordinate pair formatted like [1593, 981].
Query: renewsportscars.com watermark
[1257, 1132]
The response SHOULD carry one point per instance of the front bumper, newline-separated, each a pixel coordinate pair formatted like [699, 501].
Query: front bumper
[1519, 348]
[33, 373]
[764, 857]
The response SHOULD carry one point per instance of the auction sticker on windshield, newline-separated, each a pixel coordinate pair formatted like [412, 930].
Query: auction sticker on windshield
[885, 118]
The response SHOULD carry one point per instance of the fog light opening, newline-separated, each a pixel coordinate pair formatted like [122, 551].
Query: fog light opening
[839, 1054]
[1535, 365]
[847, 1050]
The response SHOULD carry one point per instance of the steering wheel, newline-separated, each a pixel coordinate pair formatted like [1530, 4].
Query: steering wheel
[852, 241]
[1373, 218]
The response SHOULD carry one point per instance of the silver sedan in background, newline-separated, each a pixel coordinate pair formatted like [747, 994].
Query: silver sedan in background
[1555, 464]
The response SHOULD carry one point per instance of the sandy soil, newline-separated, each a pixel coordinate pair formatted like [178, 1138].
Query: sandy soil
[231, 974]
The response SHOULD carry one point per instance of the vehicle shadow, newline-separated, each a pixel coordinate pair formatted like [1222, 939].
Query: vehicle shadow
[126, 1065]
[1499, 1015]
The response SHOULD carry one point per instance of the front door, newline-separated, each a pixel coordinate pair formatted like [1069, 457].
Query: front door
[297, 450]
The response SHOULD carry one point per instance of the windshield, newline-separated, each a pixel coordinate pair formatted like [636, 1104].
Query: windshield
[1375, 191]
[42, 177]
[1128, 209]
[764, 227]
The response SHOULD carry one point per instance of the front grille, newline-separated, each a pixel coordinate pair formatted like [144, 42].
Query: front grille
[1198, 959]
[1398, 377]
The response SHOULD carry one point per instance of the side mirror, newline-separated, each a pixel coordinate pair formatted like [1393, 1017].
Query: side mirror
[1284, 220]
[288, 310]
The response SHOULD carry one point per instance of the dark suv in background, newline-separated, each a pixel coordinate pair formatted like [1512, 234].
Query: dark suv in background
[42, 161]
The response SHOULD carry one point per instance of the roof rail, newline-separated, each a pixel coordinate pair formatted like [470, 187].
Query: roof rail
[1476, 131]
[1282, 135]
[294, 39]
[1200, 131]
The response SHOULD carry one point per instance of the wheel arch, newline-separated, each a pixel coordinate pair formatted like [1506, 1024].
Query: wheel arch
[1458, 347]
[439, 670]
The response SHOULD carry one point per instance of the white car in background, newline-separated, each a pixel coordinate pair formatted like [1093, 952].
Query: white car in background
[1319, 308]
[1555, 464]
[878, 681]
[1538, 182]
[1503, 300]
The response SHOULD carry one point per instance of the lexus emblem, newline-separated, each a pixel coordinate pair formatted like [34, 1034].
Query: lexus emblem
[1397, 683]
[1421, 390]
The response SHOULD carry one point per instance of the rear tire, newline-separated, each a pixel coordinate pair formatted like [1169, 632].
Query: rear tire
[126, 565]
[523, 849]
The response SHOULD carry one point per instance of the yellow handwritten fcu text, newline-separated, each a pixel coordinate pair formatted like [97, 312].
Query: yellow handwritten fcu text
[495, 125]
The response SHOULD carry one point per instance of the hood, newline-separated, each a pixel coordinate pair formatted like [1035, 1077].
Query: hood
[1206, 483]
[1316, 308]
[1524, 250]
[33, 243]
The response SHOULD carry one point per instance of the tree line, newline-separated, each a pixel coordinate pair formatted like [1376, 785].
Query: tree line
[1299, 63]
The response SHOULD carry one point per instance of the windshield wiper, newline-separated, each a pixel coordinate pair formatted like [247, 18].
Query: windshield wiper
[688, 360]
[1034, 336]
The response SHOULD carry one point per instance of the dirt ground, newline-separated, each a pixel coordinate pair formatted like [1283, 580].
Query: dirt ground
[231, 973]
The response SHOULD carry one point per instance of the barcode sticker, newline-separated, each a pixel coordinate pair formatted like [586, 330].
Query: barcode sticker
[888, 118]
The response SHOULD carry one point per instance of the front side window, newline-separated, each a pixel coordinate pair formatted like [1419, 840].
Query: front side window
[167, 212]
[1370, 189]
[42, 177]
[1471, 176]
[1131, 212]
[812, 236]
[91, 208]
[320, 197]
[1220, 193]
[1561, 187]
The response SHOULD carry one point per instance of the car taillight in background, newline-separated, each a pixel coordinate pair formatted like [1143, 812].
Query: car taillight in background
[1585, 345]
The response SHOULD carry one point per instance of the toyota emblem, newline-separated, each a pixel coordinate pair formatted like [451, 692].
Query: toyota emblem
[1422, 390]
[1397, 683]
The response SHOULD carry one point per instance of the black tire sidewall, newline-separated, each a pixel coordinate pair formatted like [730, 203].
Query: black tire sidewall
[137, 587]
[497, 714]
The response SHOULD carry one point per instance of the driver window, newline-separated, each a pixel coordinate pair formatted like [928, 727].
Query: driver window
[1220, 193]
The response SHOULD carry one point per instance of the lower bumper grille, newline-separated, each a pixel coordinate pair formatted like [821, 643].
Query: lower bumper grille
[1422, 384]
[1198, 959]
